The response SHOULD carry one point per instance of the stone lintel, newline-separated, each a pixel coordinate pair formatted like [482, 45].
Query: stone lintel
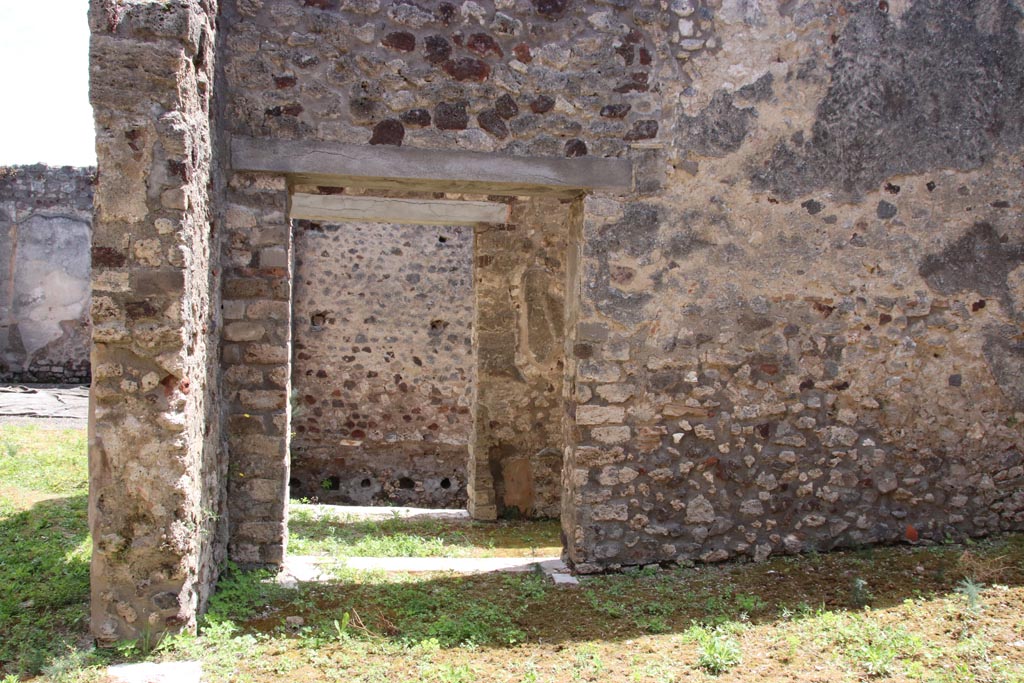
[320, 207]
[387, 167]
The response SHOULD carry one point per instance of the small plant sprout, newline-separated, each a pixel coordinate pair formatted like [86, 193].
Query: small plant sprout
[860, 595]
[971, 590]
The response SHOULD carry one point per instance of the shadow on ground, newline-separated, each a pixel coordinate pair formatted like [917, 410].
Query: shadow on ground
[44, 574]
[499, 610]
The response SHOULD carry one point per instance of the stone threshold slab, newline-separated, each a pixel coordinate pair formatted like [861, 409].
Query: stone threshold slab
[365, 512]
[319, 569]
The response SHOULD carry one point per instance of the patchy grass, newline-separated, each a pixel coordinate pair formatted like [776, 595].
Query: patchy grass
[44, 546]
[941, 614]
[313, 532]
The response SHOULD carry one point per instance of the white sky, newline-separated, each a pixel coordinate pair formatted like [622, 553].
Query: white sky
[45, 115]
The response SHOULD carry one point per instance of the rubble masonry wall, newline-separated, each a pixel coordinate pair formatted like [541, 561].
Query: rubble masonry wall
[156, 467]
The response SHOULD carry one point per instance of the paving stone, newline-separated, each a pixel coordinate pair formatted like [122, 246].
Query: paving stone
[151, 672]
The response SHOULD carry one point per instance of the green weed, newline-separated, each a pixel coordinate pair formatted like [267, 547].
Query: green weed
[718, 652]
[971, 591]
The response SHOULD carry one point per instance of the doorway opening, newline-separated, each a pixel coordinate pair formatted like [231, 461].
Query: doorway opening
[428, 368]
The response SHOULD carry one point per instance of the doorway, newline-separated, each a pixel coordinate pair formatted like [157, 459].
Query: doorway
[429, 357]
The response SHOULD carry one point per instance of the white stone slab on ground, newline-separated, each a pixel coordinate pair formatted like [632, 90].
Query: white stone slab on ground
[356, 512]
[151, 672]
[308, 568]
[565, 580]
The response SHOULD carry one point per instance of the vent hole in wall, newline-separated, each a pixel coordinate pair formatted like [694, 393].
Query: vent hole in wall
[406, 483]
[331, 483]
[365, 483]
[318, 319]
[294, 483]
[442, 239]
[446, 483]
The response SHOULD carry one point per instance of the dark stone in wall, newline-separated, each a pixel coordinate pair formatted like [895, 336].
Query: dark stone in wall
[492, 122]
[551, 9]
[108, 257]
[719, 129]
[506, 106]
[388, 132]
[615, 111]
[483, 45]
[980, 261]
[400, 40]
[467, 69]
[437, 49]
[446, 13]
[813, 207]
[542, 104]
[885, 210]
[642, 130]
[416, 117]
[575, 148]
[941, 88]
[451, 116]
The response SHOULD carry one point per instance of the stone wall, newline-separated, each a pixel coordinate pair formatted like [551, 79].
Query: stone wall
[383, 363]
[156, 509]
[806, 329]
[45, 216]
[801, 329]
[520, 338]
[814, 219]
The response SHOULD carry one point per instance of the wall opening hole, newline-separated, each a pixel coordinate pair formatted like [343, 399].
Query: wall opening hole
[331, 484]
[446, 483]
[406, 483]
[318, 319]
[294, 483]
[365, 483]
[442, 239]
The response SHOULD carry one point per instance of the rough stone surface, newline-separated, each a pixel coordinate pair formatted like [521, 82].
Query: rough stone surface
[799, 331]
[519, 285]
[383, 364]
[45, 217]
[157, 506]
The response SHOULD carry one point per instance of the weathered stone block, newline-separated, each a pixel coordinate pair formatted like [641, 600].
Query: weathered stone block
[595, 415]
[244, 331]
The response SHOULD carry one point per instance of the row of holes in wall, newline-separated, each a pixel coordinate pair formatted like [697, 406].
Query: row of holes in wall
[334, 483]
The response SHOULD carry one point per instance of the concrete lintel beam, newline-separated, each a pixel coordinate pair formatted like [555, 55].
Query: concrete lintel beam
[319, 207]
[335, 163]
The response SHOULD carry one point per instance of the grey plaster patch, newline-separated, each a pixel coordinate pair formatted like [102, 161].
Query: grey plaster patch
[1004, 352]
[980, 261]
[940, 88]
[721, 127]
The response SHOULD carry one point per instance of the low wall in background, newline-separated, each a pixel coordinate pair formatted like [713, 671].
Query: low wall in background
[45, 227]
